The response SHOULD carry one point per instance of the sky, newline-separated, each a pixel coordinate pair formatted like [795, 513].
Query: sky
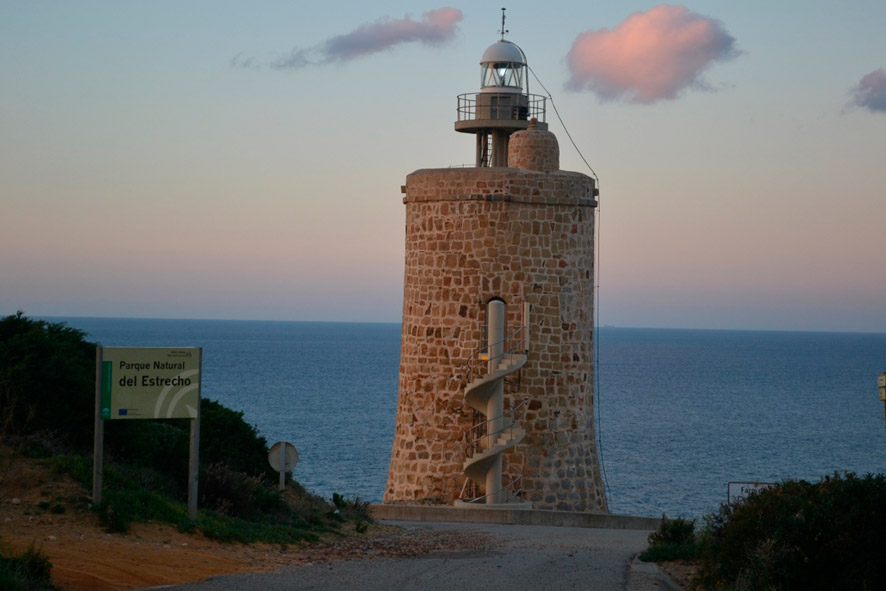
[243, 160]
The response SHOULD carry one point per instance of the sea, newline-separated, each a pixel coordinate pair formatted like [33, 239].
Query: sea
[679, 413]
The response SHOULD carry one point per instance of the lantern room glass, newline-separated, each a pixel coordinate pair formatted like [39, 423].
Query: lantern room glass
[502, 74]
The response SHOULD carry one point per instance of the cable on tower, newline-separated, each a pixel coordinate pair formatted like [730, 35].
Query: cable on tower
[597, 406]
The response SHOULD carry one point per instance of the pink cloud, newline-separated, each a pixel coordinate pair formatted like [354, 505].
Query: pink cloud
[649, 57]
[870, 93]
[435, 27]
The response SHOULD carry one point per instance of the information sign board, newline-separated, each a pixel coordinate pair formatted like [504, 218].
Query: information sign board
[739, 491]
[150, 382]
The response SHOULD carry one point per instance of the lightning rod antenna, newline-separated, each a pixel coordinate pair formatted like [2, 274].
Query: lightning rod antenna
[503, 30]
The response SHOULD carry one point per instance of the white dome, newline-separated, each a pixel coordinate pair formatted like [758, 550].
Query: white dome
[503, 51]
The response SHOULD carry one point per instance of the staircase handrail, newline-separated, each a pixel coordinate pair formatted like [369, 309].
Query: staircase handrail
[511, 485]
[513, 343]
[472, 441]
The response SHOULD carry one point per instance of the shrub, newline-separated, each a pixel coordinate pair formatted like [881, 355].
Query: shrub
[163, 444]
[798, 535]
[675, 539]
[226, 437]
[237, 494]
[313, 509]
[30, 570]
[157, 444]
[47, 379]
[351, 509]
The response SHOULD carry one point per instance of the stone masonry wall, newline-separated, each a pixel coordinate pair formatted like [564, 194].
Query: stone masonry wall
[473, 234]
[534, 148]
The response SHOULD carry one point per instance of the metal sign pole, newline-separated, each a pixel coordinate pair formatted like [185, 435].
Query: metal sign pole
[881, 383]
[194, 459]
[99, 433]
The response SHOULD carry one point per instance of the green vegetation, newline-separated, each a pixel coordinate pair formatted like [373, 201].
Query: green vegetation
[352, 510]
[675, 540]
[28, 571]
[47, 381]
[47, 391]
[796, 535]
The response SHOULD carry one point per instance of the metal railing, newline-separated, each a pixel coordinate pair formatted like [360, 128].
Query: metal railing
[478, 366]
[513, 486]
[475, 435]
[468, 107]
[478, 363]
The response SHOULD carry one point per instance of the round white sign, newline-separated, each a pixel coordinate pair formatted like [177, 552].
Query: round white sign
[283, 456]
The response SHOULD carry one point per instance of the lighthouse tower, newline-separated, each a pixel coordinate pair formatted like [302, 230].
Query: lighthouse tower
[495, 404]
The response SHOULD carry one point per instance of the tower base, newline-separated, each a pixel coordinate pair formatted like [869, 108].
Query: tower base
[512, 506]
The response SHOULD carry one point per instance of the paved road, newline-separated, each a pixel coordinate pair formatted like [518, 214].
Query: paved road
[523, 558]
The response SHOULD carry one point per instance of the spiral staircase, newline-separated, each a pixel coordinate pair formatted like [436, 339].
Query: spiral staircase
[497, 431]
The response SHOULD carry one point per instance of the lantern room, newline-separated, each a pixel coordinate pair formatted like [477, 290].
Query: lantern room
[502, 68]
[503, 104]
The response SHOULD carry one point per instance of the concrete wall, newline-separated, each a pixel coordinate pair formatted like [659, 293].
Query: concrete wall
[444, 514]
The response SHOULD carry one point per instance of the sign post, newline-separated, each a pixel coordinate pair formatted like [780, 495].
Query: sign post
[881, 383]
[148, 383]
[283, 457]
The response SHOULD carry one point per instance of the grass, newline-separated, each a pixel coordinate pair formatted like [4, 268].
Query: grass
[231, 529]
[296, 516]
[28, 571]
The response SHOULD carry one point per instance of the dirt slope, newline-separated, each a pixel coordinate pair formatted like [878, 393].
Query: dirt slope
[85, 557]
